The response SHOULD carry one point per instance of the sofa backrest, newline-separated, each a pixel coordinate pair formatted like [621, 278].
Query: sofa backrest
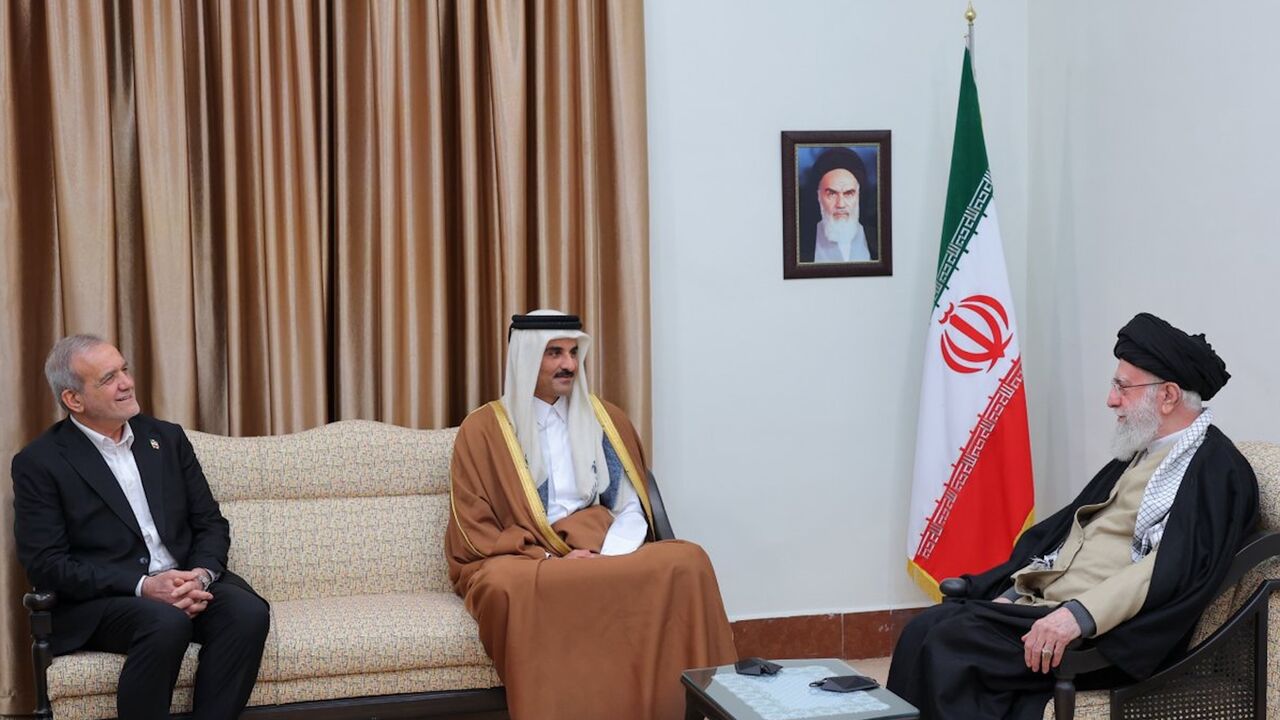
[351, 508]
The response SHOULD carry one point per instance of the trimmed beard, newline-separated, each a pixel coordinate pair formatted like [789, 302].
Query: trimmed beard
[840, 230]
[1138, 428]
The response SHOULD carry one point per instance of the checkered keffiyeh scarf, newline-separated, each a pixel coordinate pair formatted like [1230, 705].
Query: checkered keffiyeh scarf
[1163, 486]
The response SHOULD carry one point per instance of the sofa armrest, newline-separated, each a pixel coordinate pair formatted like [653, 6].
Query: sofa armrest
[661, 525]
[39, 604]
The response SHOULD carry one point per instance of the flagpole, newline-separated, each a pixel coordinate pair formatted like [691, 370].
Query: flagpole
[972, 492]
[970, 15]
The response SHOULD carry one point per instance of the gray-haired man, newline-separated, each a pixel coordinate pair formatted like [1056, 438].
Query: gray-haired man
[112, 513]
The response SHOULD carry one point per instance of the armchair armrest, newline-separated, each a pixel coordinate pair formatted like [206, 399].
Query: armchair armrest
[1080, 658]
[1260, 547]
[39, 604]
[954, 587]
[661, 525]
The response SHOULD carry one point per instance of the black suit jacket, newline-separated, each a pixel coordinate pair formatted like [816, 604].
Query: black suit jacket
[77, 535]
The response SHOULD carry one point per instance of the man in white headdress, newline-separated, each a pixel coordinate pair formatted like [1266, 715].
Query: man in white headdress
[551, 473]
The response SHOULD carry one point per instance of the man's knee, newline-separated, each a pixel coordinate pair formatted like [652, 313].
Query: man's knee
[167, 628]
[921, 627]
[254, 620]
[502, 578]
[235, 613]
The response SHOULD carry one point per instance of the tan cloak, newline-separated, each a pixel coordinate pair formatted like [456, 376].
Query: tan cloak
[601, 638]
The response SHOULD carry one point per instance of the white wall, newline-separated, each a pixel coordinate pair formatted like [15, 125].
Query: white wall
[785, 411]
[1154, 153]
[1135, 153]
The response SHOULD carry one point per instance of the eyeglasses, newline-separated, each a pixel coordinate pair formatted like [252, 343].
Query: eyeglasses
[1121, 387]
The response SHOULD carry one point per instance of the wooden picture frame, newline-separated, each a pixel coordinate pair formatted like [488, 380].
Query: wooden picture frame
[836, 203]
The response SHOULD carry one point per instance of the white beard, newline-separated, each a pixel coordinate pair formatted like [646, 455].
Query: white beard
[1138, 428]
[840, 230]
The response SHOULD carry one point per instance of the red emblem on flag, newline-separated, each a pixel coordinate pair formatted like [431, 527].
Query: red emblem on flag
[977, 334]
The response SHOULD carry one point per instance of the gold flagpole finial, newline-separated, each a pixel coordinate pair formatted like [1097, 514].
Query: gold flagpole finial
[970, 14]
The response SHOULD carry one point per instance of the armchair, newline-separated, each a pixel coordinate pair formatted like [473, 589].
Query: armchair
[1224, 674]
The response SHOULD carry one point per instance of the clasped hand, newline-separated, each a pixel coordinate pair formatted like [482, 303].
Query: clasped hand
[580, 554]
[179, 588]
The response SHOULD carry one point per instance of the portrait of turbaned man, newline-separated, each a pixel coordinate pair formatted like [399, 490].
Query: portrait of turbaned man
[835, 197]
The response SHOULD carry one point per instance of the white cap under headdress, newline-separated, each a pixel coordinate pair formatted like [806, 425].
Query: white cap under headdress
[525, 349]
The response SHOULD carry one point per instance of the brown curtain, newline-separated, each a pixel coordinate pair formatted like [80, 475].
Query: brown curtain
[490, 160]
[287, 213]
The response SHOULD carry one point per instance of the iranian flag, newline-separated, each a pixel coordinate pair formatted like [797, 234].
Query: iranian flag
[972, 493]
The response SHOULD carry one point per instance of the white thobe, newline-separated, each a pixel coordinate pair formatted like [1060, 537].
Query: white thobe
[563, 497]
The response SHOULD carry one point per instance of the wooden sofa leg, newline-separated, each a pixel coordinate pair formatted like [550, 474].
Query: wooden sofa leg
[1064, 699]
[39, 604]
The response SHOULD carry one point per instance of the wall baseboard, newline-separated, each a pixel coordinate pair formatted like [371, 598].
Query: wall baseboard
[835, 635]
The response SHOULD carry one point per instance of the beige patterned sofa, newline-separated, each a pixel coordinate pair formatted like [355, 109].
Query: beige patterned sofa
[340, 528]
[1228, 674]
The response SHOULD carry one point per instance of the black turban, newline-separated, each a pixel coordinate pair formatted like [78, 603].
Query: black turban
[839, 158]
[1170, 354]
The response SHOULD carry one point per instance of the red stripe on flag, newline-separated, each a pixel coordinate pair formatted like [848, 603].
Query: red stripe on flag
[988, 512]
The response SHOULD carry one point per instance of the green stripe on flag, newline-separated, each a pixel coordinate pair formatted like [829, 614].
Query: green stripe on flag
[969, 187]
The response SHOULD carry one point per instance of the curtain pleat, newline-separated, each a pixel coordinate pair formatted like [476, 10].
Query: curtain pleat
[288, 213]
[493, 162]
[30, 289]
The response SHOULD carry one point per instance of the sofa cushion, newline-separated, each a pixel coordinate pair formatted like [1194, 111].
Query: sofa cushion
[96, 673]
[462, 677]
[353, 646]
[334, 510]
[103, 704]
[370, 634]
[328, 547]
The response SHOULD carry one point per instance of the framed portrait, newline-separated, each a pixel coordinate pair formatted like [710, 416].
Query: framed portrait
[836, 209]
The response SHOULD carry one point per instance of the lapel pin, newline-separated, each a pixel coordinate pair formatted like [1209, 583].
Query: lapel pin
[154, 445]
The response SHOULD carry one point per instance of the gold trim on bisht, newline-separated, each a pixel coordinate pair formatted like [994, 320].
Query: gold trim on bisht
[628, 466]
[526, 480]
[458, 521]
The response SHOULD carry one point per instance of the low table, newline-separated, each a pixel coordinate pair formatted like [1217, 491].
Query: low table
[720, 693]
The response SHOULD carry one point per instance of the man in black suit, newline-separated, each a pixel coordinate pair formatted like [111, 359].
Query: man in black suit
[113, 513]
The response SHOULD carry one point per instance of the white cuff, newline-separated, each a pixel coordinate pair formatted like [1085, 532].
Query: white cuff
[627, 531]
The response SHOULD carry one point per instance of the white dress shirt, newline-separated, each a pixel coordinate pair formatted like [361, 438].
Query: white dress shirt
[119, 457]
[563, 497]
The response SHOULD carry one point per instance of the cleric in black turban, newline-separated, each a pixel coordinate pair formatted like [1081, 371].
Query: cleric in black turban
[1128, 567]
[1171, 354]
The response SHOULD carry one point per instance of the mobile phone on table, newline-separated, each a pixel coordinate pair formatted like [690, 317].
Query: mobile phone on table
[845, 683]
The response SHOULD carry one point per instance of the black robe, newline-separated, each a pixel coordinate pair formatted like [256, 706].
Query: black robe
[1214, 512]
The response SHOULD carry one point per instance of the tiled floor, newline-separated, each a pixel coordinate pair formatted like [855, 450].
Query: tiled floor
[877, 668]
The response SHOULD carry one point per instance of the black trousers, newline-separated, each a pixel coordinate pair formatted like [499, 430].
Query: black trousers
[963, 660]
[154, 635]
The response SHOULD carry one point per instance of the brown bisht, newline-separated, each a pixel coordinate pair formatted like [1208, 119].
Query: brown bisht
[576, 639]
